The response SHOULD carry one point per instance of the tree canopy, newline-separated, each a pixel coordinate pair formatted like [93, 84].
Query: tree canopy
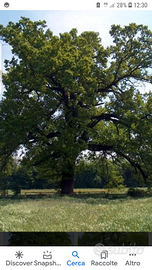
[66, 94]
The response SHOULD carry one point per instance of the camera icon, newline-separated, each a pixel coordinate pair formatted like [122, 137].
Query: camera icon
[6, 4]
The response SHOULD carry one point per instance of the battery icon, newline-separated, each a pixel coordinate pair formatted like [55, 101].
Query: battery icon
[130, 5]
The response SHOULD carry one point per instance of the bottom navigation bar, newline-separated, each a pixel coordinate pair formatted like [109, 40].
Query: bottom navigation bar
[115, 257]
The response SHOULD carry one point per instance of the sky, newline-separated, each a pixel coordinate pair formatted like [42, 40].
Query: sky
[63, 21]
[96, 20]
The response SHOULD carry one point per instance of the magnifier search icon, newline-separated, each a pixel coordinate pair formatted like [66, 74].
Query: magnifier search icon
[75, 254]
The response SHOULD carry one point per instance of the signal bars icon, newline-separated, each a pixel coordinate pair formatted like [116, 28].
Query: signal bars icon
[112, 6]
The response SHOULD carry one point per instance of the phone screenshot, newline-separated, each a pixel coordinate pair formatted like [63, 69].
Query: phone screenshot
[75, 134]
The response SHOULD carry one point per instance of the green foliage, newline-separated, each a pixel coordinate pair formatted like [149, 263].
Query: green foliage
[5, 175]
[19, 180]
[113, 239]
[136, 192]
[39, 238]
[98, 173]
[130, 178]
[67, 93]
[3, 185]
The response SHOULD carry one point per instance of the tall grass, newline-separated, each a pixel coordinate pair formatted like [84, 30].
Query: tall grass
[76, 214]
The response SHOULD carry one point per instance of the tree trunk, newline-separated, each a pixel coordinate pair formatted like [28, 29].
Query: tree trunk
[67, 183]
[67, 186]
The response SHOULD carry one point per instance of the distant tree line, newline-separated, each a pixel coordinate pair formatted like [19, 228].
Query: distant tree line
[106, 174]
[93, 173]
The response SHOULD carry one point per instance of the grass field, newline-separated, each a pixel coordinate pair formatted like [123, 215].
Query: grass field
[82, 191]
[75, 214]
[76, 191]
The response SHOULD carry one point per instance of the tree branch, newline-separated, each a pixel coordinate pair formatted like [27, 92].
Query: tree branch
[107, 117]
[52, 134]
[133, 163]
[99, 147]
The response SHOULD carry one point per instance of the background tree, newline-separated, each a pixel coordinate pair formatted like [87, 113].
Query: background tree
[5, 175]
[39, 239]
[19, 180]
[98, 173]
[67, 93]
[113, 239]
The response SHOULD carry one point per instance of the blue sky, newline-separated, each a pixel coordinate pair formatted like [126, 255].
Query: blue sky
[96, 20]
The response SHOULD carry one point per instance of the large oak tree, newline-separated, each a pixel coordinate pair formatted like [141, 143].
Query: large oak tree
[67, 93]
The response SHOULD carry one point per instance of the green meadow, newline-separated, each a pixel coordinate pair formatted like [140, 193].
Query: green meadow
[84, 213]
